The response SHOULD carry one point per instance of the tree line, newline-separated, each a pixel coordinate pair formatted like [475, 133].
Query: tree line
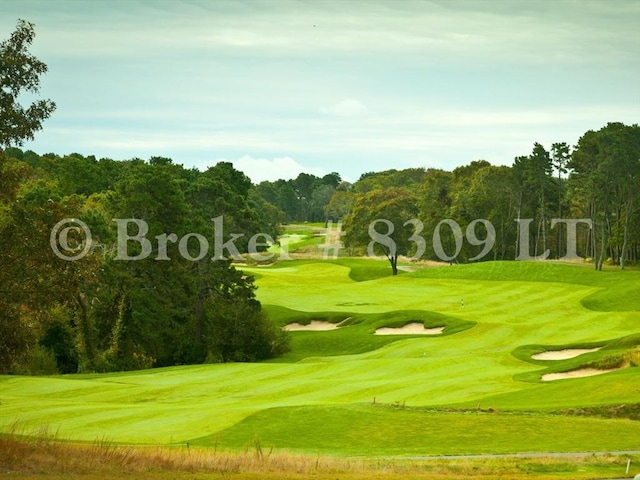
[598, 180]
[101, 314]
[60, 313]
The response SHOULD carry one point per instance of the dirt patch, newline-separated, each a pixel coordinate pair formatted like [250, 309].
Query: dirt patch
[563, 354]
[583, 372]
[410, 329]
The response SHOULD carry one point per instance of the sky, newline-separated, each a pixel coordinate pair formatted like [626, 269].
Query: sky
[282, 87]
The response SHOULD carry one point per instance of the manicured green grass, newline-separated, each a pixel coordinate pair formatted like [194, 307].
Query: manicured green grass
[356, 333]
[318, 398]
[383, 430]
[359, 269]
[616, 290]
[307, 237]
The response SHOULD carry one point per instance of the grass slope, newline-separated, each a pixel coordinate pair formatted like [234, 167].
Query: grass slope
[356, 334]
[320, 395]
[397, 431]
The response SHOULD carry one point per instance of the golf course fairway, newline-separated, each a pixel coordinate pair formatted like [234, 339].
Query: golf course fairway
[474, 388]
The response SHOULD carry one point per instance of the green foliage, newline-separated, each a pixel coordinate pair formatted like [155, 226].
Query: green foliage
[408, 178]
[606, 180]
[20, 72]
[303, 199]
[42, 361]
[102, 314]
[388, 210]
[339, 205]
[602, 186]
[60, 340]
[234, 326]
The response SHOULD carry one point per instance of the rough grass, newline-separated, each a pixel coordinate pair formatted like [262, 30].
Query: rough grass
[43, 457]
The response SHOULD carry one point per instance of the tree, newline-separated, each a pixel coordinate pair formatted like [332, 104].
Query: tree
[606, 171]
[20, 72]
[320, 198]
[394, 207]
[339, 205]
[560, 157]
[154, 303]
[490, 193]
[234, 328]
[283, 196]
[533, 174]
[33, 279]
[332, 179]
[408, 178]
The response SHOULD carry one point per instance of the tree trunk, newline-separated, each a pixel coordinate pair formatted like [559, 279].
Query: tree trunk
[544, 226]
[592, 248]
[518, 220]
[627, 221]
[85, 333]
[393, 259]
[603, 245]
[117, 334]
[559, 246]
[199, 317]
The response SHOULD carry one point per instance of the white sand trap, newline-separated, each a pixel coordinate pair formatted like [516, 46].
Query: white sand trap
[584, 372]
[410, 329]
[314, 326]
[563, 354]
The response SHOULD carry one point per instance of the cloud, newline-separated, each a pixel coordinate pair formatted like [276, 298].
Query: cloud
[345, 108]
[140, 141]
[261, 169]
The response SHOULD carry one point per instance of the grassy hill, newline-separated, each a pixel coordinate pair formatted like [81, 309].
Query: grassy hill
[472, 389]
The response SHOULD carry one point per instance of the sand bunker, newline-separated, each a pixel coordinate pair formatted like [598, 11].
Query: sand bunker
[563, 354]
[584, 372]
[314, 326]
[410, 329]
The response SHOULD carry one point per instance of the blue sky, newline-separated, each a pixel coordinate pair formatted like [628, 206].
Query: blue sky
[281, 87]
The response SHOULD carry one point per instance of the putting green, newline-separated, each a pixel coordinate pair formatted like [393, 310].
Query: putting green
[482, 358]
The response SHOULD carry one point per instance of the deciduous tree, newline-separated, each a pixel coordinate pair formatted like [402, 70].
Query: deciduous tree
[20, 72]
[387, 212]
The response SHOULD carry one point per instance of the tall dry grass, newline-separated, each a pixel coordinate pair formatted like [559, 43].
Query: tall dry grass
[42, 455]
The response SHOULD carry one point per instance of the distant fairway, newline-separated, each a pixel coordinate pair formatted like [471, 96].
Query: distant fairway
[472, 389]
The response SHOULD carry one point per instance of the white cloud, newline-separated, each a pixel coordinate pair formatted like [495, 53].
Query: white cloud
[261, 169]
[345, 108]
[340, 86]
[138, 140]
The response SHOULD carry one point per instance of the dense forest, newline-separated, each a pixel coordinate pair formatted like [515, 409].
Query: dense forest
[101, 313]
[597, 181]
[169, 293]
